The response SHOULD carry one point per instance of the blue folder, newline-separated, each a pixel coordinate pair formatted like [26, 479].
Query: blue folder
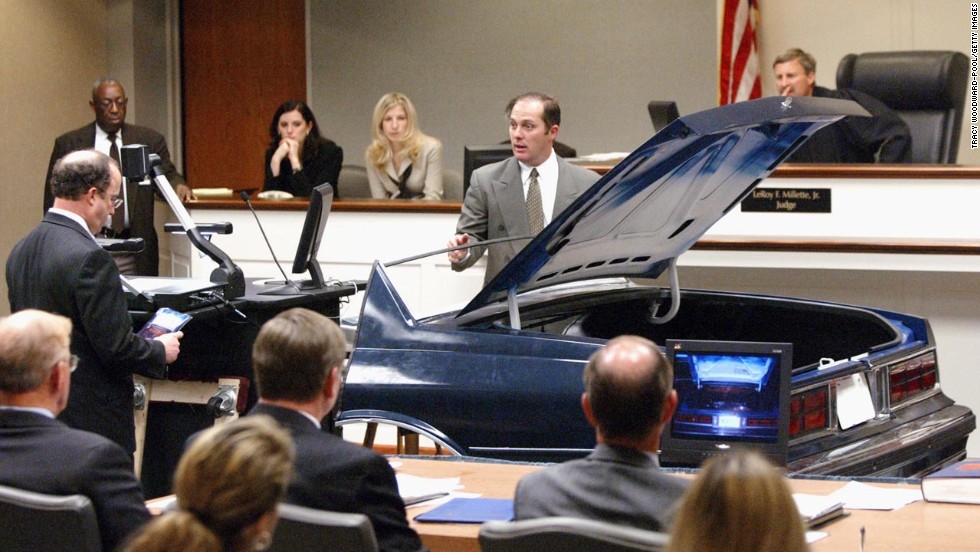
[470, 510]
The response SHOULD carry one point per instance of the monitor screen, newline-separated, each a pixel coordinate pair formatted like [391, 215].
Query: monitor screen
[475, 157]
[321, 200]
[730, 394]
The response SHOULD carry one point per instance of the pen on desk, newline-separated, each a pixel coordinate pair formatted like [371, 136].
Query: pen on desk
[862, 538]
[411, 501]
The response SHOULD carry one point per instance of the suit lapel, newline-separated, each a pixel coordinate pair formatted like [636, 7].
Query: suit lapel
[510, 196]
[564, 195]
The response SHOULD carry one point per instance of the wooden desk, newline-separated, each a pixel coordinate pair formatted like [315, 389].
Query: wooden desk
[917, 526]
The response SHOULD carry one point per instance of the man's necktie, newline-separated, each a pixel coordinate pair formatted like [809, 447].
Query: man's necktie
[535, 213]
[119, 218]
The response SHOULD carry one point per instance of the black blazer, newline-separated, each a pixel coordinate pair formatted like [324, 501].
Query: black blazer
[332, 474]
[140, 197]
[59, 268]
[44, 455]
[323, 168]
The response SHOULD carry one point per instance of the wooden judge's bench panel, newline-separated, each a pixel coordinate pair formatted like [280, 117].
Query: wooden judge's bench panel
[904, 238]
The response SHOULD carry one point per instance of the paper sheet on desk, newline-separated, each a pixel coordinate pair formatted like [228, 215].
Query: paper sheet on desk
[212, 193]
[860, 496]
[411, 487]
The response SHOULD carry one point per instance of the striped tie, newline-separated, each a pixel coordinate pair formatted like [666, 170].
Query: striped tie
[535, 212]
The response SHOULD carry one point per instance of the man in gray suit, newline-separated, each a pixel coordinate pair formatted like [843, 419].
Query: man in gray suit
[628, 398]
[521, 194]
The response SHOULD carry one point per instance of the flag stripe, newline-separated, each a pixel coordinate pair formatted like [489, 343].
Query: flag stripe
[738, 77]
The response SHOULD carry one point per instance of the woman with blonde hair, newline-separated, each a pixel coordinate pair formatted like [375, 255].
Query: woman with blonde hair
[402, 162]
[228, 486]
[738, 503]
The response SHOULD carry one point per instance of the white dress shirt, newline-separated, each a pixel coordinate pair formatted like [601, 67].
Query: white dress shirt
[103, 144]
[547, 181]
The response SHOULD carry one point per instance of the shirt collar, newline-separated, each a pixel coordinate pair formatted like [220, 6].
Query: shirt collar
[102, 135]
[36, 410]
[311, 418]
[73, 216]
[547, 171]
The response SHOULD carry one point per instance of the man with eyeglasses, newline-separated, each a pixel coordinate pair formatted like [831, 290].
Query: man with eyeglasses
[40, 454]
[60, 268]
[108, 133]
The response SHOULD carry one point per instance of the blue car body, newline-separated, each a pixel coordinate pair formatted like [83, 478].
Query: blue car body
[502, 376]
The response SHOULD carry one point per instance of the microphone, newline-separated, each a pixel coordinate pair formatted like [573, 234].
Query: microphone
[244, 196]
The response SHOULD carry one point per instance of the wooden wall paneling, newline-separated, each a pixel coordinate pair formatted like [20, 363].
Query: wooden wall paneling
[240, 60]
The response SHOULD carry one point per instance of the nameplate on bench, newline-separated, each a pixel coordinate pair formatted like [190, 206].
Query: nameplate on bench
[787, 200]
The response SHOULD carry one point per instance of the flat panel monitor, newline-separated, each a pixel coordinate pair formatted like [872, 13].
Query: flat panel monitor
[662, 113]
[731, 394]
[305, 260]
[475, 157]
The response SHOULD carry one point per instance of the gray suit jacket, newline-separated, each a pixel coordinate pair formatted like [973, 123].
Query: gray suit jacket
[426, 177]
[140, 197]
[494, 208]
[613, 484]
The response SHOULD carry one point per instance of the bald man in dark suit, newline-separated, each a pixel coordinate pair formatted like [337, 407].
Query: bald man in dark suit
[41, 454]
[60, 268]
[109, 103]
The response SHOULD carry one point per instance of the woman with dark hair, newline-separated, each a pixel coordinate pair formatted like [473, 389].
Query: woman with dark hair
[298, 158]
[228, 484]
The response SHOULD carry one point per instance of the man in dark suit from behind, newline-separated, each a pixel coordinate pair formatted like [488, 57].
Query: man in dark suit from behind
[60, 268]
[41, 454]
[628, 398]
[109, 104]
[297, 358]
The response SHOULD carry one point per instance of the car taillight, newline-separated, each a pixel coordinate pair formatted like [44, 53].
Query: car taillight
[911, 378]
[693, 418]
[809, 411]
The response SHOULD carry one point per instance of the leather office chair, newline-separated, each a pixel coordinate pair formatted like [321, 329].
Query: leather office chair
[308, 530]
[925, 88]
[35, 521]
[353, 182]
[452, 185]
[565, 534]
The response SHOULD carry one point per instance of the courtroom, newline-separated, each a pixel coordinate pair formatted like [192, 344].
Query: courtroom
[657, 275]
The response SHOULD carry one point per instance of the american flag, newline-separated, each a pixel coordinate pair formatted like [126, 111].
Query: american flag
[739, 61]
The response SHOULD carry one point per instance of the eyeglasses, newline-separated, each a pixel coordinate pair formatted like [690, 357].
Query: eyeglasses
[116, 201]
[72, 363]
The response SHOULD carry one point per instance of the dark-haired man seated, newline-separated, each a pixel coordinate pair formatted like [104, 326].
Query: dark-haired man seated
[628, 398]
[41, 454]
[297, 358]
